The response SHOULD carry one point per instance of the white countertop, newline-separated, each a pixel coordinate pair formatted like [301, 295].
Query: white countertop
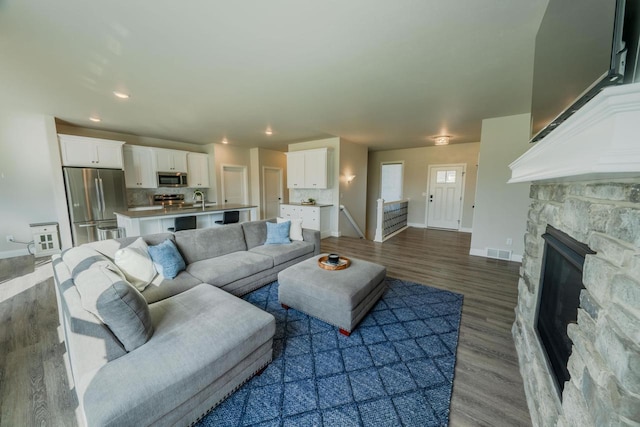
[319, 205]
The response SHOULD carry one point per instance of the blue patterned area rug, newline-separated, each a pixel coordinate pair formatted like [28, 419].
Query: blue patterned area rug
[396, 368]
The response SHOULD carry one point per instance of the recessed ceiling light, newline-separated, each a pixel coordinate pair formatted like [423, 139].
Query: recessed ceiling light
[224, 141]
[442, 139]
[95, 119]
[121, 95]
[268, 131]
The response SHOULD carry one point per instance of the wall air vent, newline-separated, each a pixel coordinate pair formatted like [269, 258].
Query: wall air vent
[499, 254]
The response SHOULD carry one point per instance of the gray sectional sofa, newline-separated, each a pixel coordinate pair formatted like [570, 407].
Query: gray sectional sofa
[202, 341]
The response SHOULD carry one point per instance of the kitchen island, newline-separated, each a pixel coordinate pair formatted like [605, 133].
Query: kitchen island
[158, 219]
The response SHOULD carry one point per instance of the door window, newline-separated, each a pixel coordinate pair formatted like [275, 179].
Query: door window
[446, 177]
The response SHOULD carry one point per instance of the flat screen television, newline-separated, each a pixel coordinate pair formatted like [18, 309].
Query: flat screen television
[582, 46]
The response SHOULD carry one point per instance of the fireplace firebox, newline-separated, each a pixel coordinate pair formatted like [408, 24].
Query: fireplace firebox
[561, 284]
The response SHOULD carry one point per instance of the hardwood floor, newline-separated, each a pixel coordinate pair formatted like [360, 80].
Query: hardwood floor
[488, 390]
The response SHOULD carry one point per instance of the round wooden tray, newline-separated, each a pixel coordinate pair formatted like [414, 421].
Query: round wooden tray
[342, 264]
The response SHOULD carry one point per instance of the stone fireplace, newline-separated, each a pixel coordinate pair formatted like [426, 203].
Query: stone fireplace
[586, 183]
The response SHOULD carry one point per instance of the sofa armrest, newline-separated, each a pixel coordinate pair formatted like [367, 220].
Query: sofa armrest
[312, 236]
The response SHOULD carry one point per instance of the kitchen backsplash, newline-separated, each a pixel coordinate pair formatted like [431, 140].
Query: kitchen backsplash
[320, 196]
[144, 197]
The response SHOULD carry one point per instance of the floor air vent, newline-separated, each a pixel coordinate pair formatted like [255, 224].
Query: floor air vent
[498, 254]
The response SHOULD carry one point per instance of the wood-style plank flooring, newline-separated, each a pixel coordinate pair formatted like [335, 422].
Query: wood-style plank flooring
[488, 390]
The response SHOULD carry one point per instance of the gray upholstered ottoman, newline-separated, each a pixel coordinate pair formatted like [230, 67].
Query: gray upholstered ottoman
[339, 297]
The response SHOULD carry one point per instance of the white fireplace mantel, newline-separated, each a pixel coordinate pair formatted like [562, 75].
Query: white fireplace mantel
[599, 141]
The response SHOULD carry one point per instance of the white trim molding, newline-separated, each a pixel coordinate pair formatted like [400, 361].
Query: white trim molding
[478, 252]
[599, 141]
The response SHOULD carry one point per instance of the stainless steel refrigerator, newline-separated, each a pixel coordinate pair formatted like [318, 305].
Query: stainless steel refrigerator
[93, 196]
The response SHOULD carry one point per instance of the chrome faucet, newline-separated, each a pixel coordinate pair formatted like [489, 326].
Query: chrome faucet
[195, 197]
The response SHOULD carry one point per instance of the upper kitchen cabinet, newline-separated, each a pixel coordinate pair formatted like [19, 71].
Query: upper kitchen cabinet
[307, 168]
[170, 160]
[82, 151]
[138, 167]
[198, 170]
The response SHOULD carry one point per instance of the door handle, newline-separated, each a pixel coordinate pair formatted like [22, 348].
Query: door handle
[99, 196]
[104, 204]
[430, 197]
[87, 225]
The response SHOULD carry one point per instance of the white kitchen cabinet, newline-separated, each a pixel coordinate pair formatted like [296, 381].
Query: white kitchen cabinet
[170, 160]
[198, 170]
[314, 217]
[138, 167]
[83, 151]
[307, 168]
[295, 169]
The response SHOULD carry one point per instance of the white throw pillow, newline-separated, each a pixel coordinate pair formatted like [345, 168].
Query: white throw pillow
[295, 232]
[134, 261]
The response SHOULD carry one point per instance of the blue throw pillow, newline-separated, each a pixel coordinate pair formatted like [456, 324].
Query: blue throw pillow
[278, 234]
[167, 259]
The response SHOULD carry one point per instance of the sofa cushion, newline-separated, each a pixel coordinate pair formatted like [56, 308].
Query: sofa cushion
[284, 253]
[167, 259]
[205, 243]
[81, 258]
[255, 232]
[111, 246]
[161, 287]
[228, 268]
[117, 303]
[278, 234]
[136, 264]
[295, 231]
[201, 335]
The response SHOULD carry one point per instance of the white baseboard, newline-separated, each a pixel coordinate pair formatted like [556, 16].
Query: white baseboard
[478, 252]
[516, 257]
[12, 254]
[334, 234]
[419, 225]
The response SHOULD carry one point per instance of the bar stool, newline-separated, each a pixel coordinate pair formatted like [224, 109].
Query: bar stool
[183, 223]
[229, 217]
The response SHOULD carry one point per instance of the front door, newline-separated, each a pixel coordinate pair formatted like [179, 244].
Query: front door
[272, 191]
[444, 197]
[234, 184]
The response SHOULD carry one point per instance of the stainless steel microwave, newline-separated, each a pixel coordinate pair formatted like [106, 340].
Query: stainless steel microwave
[172, 179]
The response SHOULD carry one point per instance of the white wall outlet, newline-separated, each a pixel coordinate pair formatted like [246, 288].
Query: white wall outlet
[509, 241]
[9, 238]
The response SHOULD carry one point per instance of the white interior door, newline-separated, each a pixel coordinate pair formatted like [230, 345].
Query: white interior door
[444, 198]
[272, 191]
[234, 184]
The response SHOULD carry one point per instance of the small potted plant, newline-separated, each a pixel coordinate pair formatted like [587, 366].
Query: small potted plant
[309, 201]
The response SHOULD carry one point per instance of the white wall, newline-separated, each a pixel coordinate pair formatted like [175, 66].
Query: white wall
[353, 195]
[416, 164]
[31, 182]
[501, 208]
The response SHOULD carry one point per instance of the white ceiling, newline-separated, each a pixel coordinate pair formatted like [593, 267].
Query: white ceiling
[385, 73]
